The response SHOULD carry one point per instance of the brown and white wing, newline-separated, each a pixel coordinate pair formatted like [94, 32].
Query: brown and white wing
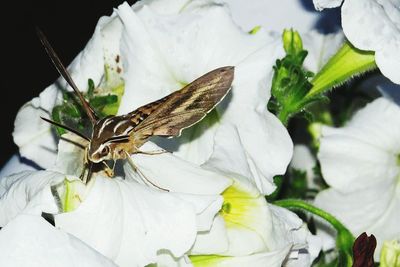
[187, 106]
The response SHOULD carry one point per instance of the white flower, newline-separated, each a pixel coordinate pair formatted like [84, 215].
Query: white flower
[161, 53]
[115, 215]
[29, 240]
[248, 225]
[261, 13]
[361, 164]
[165, 52]
[372, 25]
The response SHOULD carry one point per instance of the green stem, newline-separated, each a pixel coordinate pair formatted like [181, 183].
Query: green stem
[345, 239]
[346, 63]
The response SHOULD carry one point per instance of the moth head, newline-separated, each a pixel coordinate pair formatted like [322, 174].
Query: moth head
[107, 149]
[99, 152]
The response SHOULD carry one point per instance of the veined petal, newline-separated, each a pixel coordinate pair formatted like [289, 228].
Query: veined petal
[260, 13]
[260, 133]
[117, 215]
[370, 27]
[387, 60]
[375, 25]
[177, 175]
[320, 48]
[28, 192]
[372, 210]
[366, 149]
[290, 229]
[34, 136]
[29, 240]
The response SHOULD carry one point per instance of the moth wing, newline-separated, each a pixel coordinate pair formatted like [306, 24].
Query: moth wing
[187, 106]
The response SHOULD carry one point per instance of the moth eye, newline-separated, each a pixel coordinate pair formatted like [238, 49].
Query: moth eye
[105, 150]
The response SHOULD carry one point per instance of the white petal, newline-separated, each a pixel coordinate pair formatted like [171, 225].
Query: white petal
[189, 37]
[321, 4]
[70, 157]
[364, 152]
[375, 25]
[266, 142]
[290, 229]
[320, 48]
[254, 13]
[171, 7]
[16, 164]
[118, 215]
[250, 226]
[388, 61]
[372, 210]
[214, 241]
[177, 175]
[34, 136]
[262, 149]
[367, 25]
[137, 47]
[27, 192]
[31, 241]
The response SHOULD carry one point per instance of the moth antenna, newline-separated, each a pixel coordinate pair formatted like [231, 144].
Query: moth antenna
[64, 73]
[66, 128]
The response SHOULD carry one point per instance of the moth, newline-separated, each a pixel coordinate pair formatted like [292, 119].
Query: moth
[117, 137]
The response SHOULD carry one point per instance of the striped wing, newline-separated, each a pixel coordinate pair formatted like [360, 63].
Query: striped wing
[183, 108]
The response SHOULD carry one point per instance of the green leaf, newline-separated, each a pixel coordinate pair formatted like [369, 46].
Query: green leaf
[346, 63]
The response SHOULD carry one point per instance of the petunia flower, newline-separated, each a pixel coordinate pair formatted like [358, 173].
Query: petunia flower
[175, 48]
[115, 215]
[253, 227]
[374, 26]
[360, 162]
[172, 48]
[252, 232]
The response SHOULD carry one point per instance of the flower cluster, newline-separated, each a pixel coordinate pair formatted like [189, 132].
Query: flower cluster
[208, 206]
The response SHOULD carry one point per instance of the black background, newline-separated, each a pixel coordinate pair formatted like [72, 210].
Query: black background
[25, 68]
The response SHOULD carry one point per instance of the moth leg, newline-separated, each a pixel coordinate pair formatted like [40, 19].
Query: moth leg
[85, 166]
[141, 174]
[154, 152]
[108, 170]
[89, 174]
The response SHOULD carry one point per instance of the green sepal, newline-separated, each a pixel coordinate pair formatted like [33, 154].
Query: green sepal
[255, 30]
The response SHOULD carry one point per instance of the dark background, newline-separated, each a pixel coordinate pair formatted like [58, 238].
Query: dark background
[25, 68]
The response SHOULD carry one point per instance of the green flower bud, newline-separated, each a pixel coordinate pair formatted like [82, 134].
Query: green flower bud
[292, 42]
[390, 254]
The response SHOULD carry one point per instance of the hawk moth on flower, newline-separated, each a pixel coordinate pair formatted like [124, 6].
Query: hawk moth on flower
[117, 137]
